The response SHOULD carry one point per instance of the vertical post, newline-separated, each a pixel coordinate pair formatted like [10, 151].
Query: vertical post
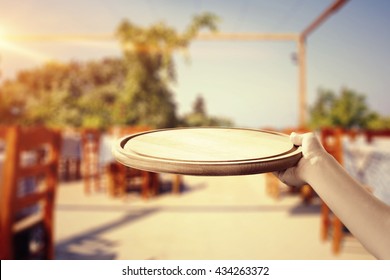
[302, 80]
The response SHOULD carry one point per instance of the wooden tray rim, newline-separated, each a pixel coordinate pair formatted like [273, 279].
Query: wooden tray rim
[206, 168]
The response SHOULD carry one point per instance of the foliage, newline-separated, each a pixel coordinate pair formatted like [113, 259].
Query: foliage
[148, 99]
[378, 122]
[199, 106]
[132, 90]
[75, 94]
[348, 110]
[199, 117]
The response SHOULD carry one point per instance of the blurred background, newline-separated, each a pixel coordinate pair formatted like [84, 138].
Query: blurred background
[93, 71]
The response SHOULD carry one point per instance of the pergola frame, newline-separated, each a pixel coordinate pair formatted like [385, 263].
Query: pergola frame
[299, 38]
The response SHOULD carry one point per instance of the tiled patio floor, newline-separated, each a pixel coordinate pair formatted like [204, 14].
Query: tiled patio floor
[214, 218]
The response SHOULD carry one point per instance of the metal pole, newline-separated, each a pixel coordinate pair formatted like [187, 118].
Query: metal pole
[302, 80]
[109, 37]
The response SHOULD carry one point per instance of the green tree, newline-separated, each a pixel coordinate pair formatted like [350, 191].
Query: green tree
[59, 94]
[348, 110]
[199, 106]
[131, 90]
[146, 96]
[378, 122]
[199, 117]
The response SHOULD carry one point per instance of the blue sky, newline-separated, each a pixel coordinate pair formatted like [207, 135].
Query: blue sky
[253, 83]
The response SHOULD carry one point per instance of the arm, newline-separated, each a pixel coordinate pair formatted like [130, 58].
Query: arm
[365, 216]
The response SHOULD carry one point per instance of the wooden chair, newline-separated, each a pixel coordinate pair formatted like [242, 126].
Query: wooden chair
[371, 134]
[70, 159]
[90, 145]
[331, 139]
[120, 176]
[27, 192]
[272, 184]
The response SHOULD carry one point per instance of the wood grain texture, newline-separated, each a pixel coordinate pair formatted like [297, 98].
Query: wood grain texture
[207, 151]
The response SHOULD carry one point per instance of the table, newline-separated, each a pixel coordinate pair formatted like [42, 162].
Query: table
[105, 150]
[70, 159]
[72, 154]
[370, 164]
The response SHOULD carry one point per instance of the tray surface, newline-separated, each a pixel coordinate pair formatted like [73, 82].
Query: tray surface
[207, 151]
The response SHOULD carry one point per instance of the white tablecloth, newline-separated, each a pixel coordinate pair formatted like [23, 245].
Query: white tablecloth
[105, 149]
[71, 146]
[370, 164]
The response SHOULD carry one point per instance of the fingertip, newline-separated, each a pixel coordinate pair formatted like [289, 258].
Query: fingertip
[296, 138]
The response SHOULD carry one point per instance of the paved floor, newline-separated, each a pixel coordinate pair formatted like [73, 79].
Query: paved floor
[214, 218]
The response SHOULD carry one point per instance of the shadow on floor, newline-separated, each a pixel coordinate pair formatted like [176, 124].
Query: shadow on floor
[166, 188]
[305, 209]
[176, 208]
[89, 245]
[226, 208]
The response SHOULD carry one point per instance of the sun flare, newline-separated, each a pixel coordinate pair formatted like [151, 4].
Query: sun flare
[6, 45]
[2, 34]
[20, 50]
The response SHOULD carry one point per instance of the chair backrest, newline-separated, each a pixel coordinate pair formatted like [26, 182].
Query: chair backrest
[27, 192]
[371, 134]
[119, 174]
[90, 148]
[331, 139]
[3, 140]
[70, 159]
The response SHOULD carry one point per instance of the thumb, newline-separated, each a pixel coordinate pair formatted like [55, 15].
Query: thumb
[296, 139]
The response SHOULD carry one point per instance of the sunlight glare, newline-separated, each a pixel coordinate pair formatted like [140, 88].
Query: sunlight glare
[6, 45]
[2, 34]
[31, 54]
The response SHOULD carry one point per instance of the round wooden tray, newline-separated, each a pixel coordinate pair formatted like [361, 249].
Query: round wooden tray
[207, 151]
